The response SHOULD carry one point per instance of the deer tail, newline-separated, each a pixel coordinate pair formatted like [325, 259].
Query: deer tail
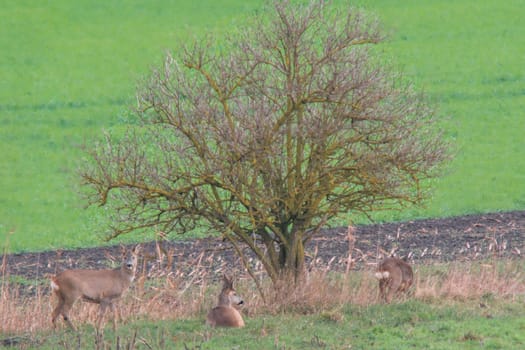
[54, 284]
[380, 275]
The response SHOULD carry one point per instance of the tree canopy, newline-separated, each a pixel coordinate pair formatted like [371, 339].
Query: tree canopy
[267, 134]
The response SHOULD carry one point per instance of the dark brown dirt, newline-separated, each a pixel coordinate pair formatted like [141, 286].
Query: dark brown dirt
[471, 237]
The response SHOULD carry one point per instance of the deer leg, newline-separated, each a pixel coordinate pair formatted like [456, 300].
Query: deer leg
[406, 284]
[102, 310]
[404, 288]
[58, 310]
[116, 315]
[67, 304]
[382, 289]
[394, 288]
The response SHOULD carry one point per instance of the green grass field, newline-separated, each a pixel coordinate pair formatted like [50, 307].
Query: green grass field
[69, 70]
[412, 325]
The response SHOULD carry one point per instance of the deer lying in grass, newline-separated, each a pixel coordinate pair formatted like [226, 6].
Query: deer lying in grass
[395, 276]
[225, 313]
[101, 287]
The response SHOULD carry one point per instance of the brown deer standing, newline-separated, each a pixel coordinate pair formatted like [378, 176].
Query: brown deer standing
[225, 313]
[395, 276]
[101, 287]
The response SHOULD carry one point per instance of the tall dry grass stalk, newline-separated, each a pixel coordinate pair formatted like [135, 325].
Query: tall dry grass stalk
[165, 290]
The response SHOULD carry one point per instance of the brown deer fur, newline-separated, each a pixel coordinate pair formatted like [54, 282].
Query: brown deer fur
[101, 287]
[395, 276]
[225, 313]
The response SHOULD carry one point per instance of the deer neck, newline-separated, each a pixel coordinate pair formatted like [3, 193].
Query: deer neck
[224, 300]
[126, 273]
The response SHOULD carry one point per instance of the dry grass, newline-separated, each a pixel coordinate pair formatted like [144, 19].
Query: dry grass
[502, 279]
[162, 292]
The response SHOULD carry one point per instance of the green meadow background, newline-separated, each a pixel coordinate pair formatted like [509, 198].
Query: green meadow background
[69, 70]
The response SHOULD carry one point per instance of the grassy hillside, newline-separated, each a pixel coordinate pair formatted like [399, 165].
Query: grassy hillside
[69, 70]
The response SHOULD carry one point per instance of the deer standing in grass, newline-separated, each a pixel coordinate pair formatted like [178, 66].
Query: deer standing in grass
[102, 287]
[225, 314]
[395, 276]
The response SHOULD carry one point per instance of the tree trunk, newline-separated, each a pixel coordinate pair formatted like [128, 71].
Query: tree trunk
[291, 261]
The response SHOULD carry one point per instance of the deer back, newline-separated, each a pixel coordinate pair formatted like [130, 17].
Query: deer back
[221, 316]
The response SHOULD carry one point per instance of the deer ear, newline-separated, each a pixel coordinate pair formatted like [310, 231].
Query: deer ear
[136, 249]
[123, 249]
[228, 283]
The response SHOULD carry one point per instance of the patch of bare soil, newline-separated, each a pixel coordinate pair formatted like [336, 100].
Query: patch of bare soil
[471, 237]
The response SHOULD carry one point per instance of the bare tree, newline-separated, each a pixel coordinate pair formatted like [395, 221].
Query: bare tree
[268, 134]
